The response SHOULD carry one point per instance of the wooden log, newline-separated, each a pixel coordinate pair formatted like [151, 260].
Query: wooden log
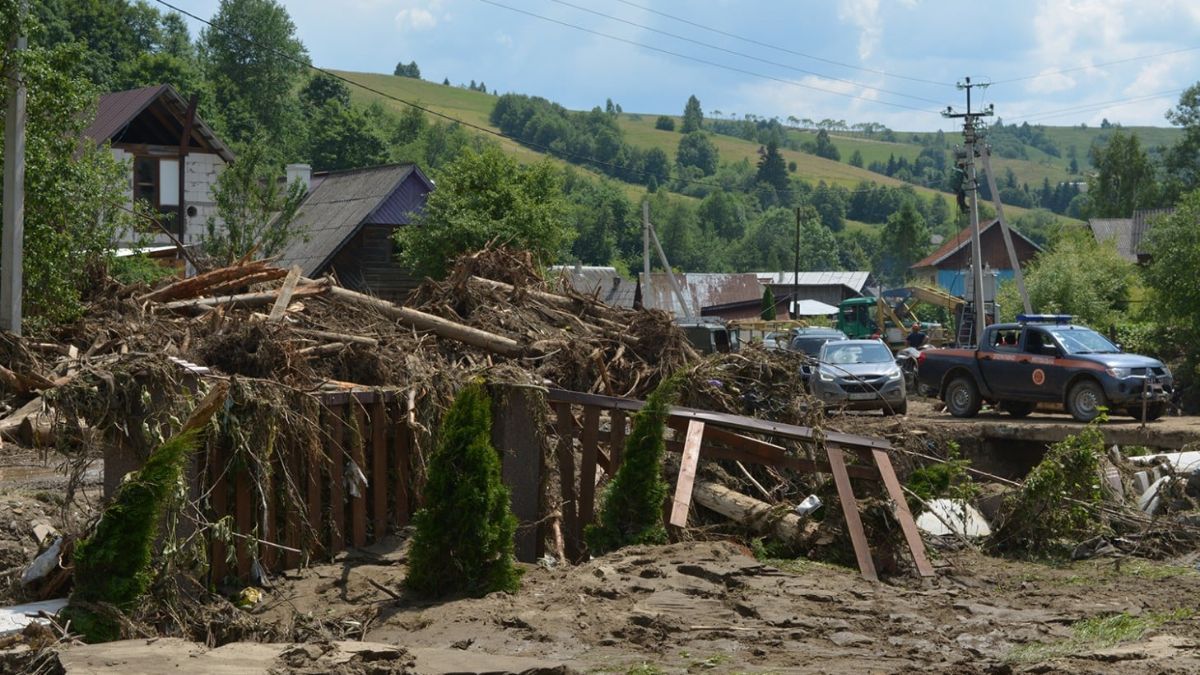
[246, 281]
[757, 515]
[607, 328]
[285, 294]
[497, 344]
[337, 337]
[10, 426]
[201, 283]
[23, 383]
[319, 350]
[242, 300]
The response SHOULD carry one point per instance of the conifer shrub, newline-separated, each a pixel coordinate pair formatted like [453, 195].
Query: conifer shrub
[463, 542]
[768, 304]
[631, 510]
[112, 567]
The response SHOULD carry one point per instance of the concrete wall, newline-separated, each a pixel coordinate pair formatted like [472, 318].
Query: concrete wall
[201, 171]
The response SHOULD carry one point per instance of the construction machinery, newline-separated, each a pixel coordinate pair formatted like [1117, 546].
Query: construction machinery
[889, 315]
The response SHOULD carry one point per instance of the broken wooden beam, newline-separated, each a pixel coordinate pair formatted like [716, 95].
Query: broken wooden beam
[687, 473]
[337, 337]
[777, 521]
[285, 294]
[497, 344]
[202, 284]
[257, 299]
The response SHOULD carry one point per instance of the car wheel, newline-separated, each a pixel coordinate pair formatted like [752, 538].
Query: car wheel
[1017, 408]
[1153, 411]
[900, 408]
[962, 397]
[1085, 400]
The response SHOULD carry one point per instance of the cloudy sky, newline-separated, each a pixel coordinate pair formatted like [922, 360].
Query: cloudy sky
[1051, 61]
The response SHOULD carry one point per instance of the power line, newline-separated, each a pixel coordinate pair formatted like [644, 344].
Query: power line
[491, 132]
[785, 50]
[704, 61]
[742, 54]
[1094, 65]
[1090, 107]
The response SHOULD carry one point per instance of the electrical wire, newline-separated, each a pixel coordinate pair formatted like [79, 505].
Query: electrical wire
[1103, 105]
[784, 50]
[1094, 65]
[706, 62]
[743, 54]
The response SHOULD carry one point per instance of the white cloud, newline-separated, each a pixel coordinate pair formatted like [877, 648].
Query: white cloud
[418, 15]
[865, 15]
[504, 39]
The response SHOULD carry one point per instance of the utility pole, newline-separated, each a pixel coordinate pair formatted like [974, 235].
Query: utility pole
[646, 254]
[969, 139]
[796, 270]
[12, 239]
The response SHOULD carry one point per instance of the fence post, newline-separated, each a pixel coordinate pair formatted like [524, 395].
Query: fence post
[517, 436]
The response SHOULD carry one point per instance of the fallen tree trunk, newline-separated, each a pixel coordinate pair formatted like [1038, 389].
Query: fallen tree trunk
[497, 344]
[758, 516]
[10, 426]
[202, 283]
[604, 325]
[242, 300]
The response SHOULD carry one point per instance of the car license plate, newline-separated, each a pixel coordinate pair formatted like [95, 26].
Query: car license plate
[865, 396]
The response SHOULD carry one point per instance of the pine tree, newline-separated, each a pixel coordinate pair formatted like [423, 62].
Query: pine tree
[631, 509]
[693, 116]
[772, 169]
[463, 541]
[768, 305]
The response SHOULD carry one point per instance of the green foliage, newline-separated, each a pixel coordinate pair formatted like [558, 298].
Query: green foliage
[905, 239]
[1124, 179]
[947, 479]
[256, 212]
[772, 170]
[1173, 244]
[134, 269]
[463, 541]
[1059, 499]
[484, 197]
[631, 508]
[322, 88]
[1076, 275]
[409, 69]
[693, 116]
[697, 150]
[254, 62]
[770, 243]
[112, 567]
[768, 305]
[664, 123]
[73, 191]
[825, 147]
[856, 158]
[1096, 633]
[343, 137]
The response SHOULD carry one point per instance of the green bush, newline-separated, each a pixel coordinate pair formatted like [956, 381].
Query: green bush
[464, 536]
[631, 511]
[112, 567]
[139, 269]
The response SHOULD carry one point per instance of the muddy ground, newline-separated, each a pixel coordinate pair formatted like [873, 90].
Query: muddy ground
[693, 607]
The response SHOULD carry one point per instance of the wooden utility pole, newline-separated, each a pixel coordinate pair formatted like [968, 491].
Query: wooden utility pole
[796, 271]
[13, 238]
[969, 138]
[646, 253]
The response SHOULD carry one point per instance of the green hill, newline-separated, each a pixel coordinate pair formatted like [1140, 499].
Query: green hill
[1037, 165]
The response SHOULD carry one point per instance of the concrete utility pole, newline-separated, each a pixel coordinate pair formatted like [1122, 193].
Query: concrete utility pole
[796, 270]
[969, 139]
[13, 238]
[646, 254]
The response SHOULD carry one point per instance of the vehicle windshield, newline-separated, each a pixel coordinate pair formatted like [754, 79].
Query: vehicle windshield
[843, 354]
[812, 345]
[1083, 341]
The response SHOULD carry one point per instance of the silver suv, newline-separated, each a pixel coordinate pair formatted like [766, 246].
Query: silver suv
[859, 375]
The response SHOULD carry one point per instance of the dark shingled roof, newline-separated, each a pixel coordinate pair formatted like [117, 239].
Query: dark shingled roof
[337, 206]
[116, 110]
[1126, 233]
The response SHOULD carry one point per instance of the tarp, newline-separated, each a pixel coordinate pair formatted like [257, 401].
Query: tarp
[812, 308]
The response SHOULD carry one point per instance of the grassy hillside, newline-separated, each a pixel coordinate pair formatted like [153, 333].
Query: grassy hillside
[474, 107]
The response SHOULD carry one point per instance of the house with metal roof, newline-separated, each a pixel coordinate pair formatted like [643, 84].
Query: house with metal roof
[829, 288]
[950, 265]
[701, 291]
[1127, 233]
[174, 157]
[346, 223]
[601, 282]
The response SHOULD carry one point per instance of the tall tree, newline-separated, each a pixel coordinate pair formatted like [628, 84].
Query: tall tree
[254, 61]
[772, 169]
[697, 149]
[343, 137]
[1174, 248]
[255, 209]
[1183, 159]
[1124, 179]
[905, 240]
[825, 147]
[693, 116]
[487, 196]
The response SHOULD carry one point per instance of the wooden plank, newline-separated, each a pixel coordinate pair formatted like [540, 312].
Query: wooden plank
[516, 434]
[900, 508]
[294, 459]
[379, 470]
[616, 440]
[358, 505]
[219, 501]
[565, 427]
[285, 294]
[590, 440]
[402, 452]
[314, 465]
[243, 496]
[336, 428]
[738, 422]
[687, 473]
[268, 525]
[862, 551]
[710, 450]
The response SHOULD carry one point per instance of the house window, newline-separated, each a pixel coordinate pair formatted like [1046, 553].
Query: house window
[156, 183]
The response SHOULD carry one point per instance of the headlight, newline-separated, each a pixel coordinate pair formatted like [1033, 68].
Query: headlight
[894, 375]
[825, 376]
[1119, 373]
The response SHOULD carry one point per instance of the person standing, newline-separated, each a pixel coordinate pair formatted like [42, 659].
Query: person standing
[916, 339]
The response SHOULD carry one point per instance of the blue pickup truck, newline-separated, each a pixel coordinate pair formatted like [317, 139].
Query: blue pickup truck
[1046, 359]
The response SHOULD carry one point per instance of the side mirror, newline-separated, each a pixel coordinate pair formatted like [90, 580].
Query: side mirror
[1049, 350]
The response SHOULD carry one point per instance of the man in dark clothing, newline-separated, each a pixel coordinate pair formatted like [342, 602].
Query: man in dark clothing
[916, 339]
